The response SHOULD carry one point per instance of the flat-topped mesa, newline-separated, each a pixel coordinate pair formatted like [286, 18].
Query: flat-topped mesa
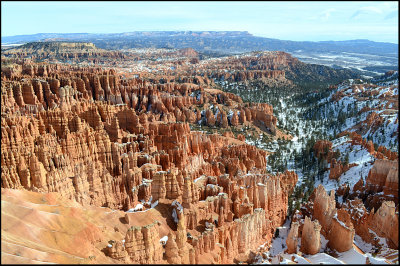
[61, 50]
[58, 45]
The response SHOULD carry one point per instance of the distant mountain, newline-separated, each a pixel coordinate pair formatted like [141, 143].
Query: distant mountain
[227, 42]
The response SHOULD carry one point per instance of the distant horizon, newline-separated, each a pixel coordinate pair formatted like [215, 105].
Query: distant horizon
[314, 21]
[191, 31]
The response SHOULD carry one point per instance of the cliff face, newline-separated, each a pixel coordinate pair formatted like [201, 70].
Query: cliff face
[339, 226]
[292, 238]
[334, 224]
[385, 222]
[101, 140]
[140, 246]
[324, 208]
[341, 234]
[265, 65]
[378, 192]
[383, 177]
[310, 237]
[380, 185]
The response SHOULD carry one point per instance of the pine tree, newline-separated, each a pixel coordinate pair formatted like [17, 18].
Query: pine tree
[346, 159]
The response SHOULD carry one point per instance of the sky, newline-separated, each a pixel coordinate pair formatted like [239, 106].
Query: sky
[297, 20]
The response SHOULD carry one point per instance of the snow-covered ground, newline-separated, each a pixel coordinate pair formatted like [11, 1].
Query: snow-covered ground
[291, 118]
[350, 105]
[353, 256]
[346, 60]
[279, 243]
[357, 154]
[278, 247]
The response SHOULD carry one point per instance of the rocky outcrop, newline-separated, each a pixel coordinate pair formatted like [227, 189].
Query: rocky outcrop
[383, 176]
[292, 238]
[385, 222]
[310, 237]
[140, 246]
[368, 225]
[337, 168]
[323, 149]
[324, 208]
[336, 225]
[373, 120]
[172, 251]
[99, 139]
[381, 153]
[341, 234]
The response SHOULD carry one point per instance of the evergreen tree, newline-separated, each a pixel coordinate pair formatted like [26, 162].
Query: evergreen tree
[346, 159]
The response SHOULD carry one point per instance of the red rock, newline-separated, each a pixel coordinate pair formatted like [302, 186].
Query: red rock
[341, 234]
[234, 119]
[383, 176]
[99, 140]
[324, 208]
[141, 245]
[310, 237]
[336, 169]
[292, 238]
[370, 147]
[385, 222]
[323, 149]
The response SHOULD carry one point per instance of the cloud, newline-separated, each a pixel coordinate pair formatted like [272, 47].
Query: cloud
[393, 14]
[327, 13]
[372, 9]
[366, 10]
[376, 10]
[324, 15]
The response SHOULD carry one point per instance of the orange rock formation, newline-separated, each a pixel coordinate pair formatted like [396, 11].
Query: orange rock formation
[101, 140]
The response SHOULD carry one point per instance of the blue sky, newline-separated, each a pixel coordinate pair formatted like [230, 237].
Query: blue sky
[298, 21]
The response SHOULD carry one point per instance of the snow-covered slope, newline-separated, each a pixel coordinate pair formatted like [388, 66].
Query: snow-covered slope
[357, 155]
[368, 109]
[357, 255]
